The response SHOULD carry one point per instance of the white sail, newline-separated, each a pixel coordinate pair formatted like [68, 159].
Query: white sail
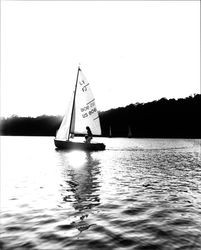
[81, 113]
[86, 113]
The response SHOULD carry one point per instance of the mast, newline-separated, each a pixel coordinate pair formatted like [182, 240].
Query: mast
[73, 101]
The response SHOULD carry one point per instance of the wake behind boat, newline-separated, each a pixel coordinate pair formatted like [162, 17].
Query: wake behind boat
[82, 113]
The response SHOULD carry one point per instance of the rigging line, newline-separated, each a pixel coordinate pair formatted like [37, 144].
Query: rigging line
[90, 101]
[96, 118]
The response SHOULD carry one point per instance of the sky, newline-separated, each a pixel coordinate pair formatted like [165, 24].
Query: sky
[130, 51]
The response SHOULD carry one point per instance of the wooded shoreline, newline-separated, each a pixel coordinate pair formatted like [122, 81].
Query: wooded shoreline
[158, 119]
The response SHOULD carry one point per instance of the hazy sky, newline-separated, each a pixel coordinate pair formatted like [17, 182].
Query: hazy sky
[133, 51]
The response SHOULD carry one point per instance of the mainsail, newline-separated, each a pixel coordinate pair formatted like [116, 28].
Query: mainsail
[86, 113]
[83, 111]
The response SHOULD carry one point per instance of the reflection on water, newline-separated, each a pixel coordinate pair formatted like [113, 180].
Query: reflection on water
[141, 194]
[81, 188]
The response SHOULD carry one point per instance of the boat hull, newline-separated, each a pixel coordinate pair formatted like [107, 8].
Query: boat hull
[69, 145]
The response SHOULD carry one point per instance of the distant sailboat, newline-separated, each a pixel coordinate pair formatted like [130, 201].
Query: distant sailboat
[129, 132]
[110, 132]
[82, 113]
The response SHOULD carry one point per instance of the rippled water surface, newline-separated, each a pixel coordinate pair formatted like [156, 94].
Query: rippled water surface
[142, 194]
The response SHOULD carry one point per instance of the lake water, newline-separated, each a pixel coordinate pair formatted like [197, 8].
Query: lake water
[141, 194]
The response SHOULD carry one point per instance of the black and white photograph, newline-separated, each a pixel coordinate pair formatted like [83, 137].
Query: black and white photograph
[100, 129]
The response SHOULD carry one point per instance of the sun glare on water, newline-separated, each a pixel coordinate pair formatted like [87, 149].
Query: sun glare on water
[76, 158]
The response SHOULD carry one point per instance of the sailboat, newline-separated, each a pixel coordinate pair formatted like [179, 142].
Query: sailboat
[110, 132]
[82, 113]
[129, 132]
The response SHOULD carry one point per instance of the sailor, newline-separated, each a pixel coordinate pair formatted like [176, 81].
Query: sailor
[89, 135]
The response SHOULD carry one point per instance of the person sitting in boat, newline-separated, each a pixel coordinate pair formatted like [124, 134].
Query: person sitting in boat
[89, 136]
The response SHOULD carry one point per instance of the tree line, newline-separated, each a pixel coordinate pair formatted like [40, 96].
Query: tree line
[173, 118]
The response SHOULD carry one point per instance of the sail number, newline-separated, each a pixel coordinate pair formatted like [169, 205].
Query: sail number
[87, 110]
[87, 107]
[92, 111]
[84, 88]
